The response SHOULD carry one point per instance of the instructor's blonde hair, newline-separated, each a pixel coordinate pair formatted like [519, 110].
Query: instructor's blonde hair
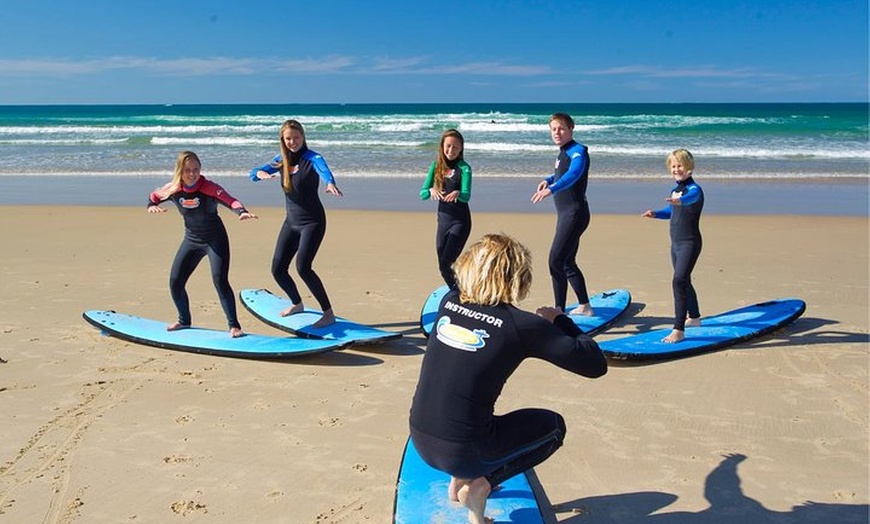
[494, 270]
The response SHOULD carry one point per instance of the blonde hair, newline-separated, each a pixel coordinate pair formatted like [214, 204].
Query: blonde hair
[285, 166]
[494, 270]
[441, 163]
[684, 157]
[174, 185]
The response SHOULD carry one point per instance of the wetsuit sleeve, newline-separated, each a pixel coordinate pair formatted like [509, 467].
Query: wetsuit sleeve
[663, 213]
[155, 198]
[322, 169]
[692, 195]
[271, 168]
[465, 189]
[217, 192]
[428, 183]
[563, 344]
[577, 168]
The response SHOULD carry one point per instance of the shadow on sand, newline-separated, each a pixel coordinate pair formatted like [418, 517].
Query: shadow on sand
[728, 505]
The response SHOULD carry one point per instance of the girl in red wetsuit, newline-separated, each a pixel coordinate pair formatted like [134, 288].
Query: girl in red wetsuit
[197, 200]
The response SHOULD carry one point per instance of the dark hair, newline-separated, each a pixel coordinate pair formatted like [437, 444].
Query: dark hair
[565, 118]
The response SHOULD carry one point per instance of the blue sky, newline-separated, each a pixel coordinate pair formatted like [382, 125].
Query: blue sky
[255, 51]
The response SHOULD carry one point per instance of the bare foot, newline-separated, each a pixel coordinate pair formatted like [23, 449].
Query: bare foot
[292, 310]
[176, 326]
[327, 319]
[453, 489]
[473, 496]
[236, 332]
[675, 336]
[456, 484]
[583, 309]
[693, 321]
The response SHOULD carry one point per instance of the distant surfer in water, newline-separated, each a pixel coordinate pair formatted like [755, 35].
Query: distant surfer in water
[449, 183]
[305, 222]
[197, 200]
[567, 186]
[478, 341]
[685, 204]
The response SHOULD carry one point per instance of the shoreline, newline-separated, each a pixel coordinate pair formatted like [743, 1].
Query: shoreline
[489, 194]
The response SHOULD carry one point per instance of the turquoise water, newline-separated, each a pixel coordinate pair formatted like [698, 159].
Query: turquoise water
[626, 141]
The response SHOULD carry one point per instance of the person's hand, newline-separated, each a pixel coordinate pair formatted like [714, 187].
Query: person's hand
[648, 214]
[674, 201]
[262, 175]
[156, 209]
[541, 194]
[332, 189]
[247, 215]
[434, 194]
[452, 196]
[549, 313]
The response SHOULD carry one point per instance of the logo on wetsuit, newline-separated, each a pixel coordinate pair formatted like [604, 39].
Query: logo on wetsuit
[189, 203]
[459, 337]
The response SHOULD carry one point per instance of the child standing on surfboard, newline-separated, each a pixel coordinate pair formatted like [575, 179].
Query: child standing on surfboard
[197, 200]
[449, 182]
[685, 204]
[567, 186]
[305, 223]
[479, 339]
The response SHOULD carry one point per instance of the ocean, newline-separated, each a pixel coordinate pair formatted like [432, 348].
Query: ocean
[380, 152]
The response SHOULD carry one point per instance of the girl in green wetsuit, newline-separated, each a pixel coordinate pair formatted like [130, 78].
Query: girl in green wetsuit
[449, 182]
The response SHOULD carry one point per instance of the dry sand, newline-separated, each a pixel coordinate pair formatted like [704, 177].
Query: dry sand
[97, 430]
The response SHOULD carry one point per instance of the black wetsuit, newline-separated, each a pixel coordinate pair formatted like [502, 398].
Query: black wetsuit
[568, 185]
[454, 218]
[686, 243]
[304, 225]
[469, 357]
[204, 235]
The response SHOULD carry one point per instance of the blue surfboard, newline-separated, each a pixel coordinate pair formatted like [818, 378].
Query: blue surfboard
[267, 307]
[429, 313]
[714, 332]
[421, 497]
[198, 340]
[608, 306]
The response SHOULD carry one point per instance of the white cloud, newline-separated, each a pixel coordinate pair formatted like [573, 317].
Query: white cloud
[689, 72]
[334, 64]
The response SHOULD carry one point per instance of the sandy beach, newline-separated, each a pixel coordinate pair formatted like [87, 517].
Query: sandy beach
[97, 430]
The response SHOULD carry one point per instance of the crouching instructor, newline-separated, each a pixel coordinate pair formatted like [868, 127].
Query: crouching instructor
[480, 337]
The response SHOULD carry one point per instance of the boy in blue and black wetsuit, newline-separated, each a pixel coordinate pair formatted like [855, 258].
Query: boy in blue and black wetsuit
[567, 185]
[684, 210]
